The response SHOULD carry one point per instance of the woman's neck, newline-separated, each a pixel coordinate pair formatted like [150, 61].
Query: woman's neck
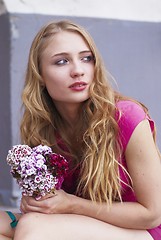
[69, 112]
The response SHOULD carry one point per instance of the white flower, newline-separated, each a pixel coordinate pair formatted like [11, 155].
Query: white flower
[37, 179]
[30, 171]
[39, 163]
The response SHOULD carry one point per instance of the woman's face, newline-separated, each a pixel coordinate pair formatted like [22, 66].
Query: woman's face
[67, 68]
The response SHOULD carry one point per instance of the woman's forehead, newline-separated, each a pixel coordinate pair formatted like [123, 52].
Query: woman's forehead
[66, 42]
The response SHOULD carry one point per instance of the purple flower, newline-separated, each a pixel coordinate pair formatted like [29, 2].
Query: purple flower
[37, 170]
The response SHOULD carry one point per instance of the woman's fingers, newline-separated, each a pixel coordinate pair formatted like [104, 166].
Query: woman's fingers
[29, 204]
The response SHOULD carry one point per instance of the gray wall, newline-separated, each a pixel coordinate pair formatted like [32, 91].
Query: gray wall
[132, 53]
[5, 109]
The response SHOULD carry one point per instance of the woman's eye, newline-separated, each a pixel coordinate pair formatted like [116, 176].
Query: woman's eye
[87, 58]
[61, 62]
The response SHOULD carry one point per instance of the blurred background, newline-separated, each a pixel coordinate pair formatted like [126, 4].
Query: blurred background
[127, 33]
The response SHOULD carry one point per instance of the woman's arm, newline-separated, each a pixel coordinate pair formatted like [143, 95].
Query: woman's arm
[145, 170]
[144, 167]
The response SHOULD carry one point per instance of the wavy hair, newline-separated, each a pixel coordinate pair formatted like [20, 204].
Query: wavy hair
[100, 149]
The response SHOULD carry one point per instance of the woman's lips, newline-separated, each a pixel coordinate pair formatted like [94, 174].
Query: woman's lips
[78, 86]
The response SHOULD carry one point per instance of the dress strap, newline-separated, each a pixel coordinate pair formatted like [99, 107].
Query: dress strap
[14, 222]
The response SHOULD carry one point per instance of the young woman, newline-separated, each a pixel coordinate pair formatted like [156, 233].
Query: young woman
[113, 187]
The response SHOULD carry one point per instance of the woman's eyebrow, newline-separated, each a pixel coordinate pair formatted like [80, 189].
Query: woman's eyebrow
[85, 51]
[66, 53]
[60, 54]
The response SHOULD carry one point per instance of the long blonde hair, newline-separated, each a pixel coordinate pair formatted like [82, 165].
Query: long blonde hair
[99, 176]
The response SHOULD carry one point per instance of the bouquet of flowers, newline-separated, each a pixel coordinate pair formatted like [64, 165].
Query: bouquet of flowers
[38, 170]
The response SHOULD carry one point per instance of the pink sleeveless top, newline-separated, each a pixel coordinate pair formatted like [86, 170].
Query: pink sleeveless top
[131, 115]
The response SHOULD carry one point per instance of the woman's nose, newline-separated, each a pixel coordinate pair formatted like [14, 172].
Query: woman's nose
[77, 69]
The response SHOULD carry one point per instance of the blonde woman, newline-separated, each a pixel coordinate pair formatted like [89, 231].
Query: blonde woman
[113, 188]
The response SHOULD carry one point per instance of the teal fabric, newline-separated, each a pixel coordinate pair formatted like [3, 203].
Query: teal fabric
[14, 222]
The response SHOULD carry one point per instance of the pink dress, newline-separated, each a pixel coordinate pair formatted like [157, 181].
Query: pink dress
[132, 115]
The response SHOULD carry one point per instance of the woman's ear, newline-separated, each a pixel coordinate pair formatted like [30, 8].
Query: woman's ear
[42, 82]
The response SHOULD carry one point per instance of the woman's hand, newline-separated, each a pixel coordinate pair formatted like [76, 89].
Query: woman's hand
[59, 202]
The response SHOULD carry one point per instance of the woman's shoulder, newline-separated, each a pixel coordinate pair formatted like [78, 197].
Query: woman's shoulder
[129, 114]
[129, 107]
